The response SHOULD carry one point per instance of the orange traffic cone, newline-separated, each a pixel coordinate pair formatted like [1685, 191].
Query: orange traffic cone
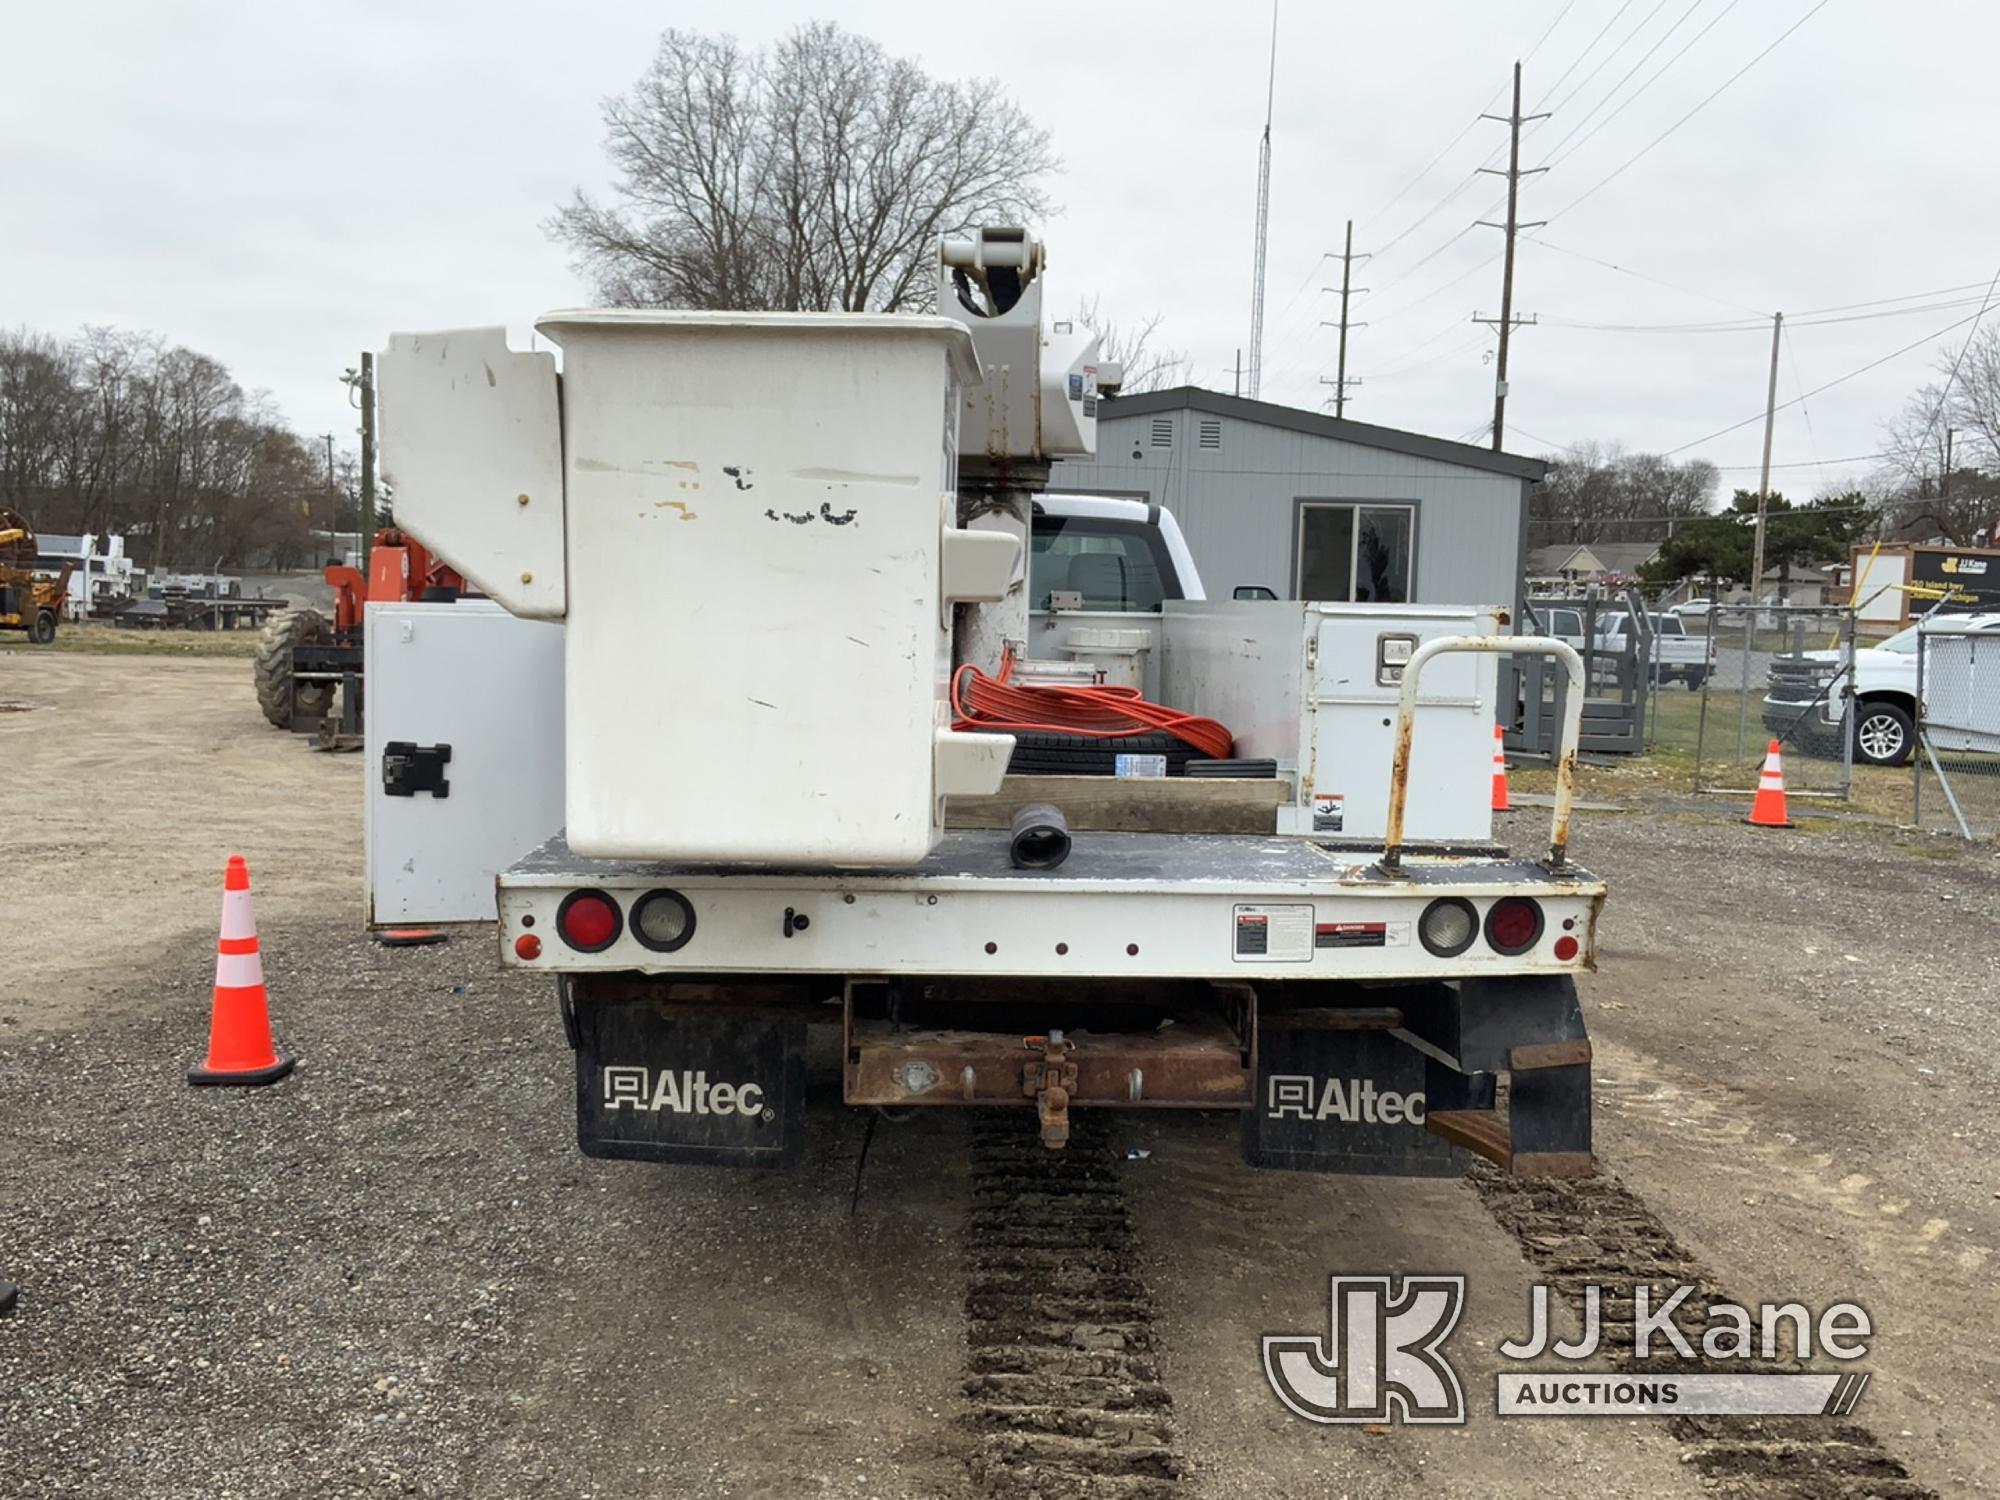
[1768, 810]
[1500, 802]
[239, 1030]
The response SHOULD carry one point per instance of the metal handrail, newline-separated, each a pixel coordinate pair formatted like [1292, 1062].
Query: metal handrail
[1406, 726]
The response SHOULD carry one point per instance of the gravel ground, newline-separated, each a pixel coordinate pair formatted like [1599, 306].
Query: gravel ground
[392, 1273]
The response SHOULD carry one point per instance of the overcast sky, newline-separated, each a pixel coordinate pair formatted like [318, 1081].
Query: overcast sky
[279, 185]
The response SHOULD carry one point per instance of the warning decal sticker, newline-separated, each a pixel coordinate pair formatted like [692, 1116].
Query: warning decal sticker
[1284, 933]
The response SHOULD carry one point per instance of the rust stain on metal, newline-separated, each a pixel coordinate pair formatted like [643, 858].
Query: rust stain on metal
[1399, 790]
[681, 506]
[1565, 790]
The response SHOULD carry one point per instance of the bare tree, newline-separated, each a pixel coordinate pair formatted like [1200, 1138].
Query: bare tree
[1146, 366]
[119, 432]
[816, 175]
[1597, 492]
[1942, 477]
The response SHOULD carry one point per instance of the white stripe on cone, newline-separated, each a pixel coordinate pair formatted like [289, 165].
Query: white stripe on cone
[238, 920]
[236, 971]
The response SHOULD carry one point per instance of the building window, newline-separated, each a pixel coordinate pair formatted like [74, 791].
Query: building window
[1355, 554]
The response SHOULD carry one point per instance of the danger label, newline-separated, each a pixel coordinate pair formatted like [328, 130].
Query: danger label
[1282, 933]
[1361, 934]
[1329, 812]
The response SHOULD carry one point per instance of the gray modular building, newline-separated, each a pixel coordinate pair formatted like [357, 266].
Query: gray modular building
[1312, 507]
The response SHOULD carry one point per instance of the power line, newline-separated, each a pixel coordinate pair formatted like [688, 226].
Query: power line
[1837, 380]
[1548, 244]
[1665, 36]
[1605, 61]
[1577, 61]
[1661, 72]
[1399, 371]
[1442, 287]
[1708, 99]
[1747, 327]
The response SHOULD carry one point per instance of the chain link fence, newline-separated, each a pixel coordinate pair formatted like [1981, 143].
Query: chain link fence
[1955, 780]
[1775, 672]
[1907, 731]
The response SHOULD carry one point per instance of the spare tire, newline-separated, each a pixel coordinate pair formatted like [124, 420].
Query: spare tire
[1049, 753]
[279, 695]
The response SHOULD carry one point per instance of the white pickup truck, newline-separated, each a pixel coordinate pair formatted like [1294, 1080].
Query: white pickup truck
[1680, 657]
[1803, 703]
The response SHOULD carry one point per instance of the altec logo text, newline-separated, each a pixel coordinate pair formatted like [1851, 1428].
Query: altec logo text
[1352, 1101]
[682, 1093]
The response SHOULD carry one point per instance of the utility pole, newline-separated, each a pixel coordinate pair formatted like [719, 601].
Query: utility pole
[1514, 120]
[1764, 475]
[1237, 389]
[1340, 382]
[367, 386]
[1944, 484]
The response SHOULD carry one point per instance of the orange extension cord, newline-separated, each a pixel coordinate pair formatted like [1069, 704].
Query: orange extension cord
[1103, 713]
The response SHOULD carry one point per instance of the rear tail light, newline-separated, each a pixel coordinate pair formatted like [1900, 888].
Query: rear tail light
[1448, 926]
[589, 921]
[1513, 925]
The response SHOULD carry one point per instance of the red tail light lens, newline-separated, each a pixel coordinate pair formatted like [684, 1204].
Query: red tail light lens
[589, 921]
[1513, 925]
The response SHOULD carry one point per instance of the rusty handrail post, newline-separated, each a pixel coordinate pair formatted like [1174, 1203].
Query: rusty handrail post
[1406, 725]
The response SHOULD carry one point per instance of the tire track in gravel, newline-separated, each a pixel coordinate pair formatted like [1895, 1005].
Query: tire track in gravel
[1065, 1392]
[1596, 1230]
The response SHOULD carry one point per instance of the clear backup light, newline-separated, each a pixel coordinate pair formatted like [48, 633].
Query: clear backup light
[1448, 926]
[663, 920]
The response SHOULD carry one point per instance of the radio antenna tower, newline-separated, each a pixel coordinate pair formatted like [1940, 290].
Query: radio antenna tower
[1256, 372]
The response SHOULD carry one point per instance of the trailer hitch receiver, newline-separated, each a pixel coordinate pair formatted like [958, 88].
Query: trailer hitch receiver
[1049, 1078]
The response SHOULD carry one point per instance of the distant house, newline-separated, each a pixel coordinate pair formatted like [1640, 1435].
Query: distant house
[1802, 585]
[1569, 566]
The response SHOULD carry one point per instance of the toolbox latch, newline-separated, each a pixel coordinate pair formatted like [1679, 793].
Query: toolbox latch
[409, 768]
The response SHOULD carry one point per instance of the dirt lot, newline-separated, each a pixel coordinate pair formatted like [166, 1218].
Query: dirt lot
[394, 1274]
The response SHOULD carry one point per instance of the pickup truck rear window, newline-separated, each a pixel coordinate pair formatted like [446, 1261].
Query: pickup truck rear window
[1115, 565]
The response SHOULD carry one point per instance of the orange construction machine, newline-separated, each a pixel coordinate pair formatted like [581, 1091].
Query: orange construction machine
[303, 657]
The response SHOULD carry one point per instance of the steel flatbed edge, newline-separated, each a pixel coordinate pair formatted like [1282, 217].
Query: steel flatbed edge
[1124, 905]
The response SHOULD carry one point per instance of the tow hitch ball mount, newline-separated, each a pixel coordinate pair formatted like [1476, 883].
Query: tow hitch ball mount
[1049, 1078]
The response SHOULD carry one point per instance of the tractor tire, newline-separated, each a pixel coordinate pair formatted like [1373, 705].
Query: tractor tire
[281, 698]
[43, 631]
